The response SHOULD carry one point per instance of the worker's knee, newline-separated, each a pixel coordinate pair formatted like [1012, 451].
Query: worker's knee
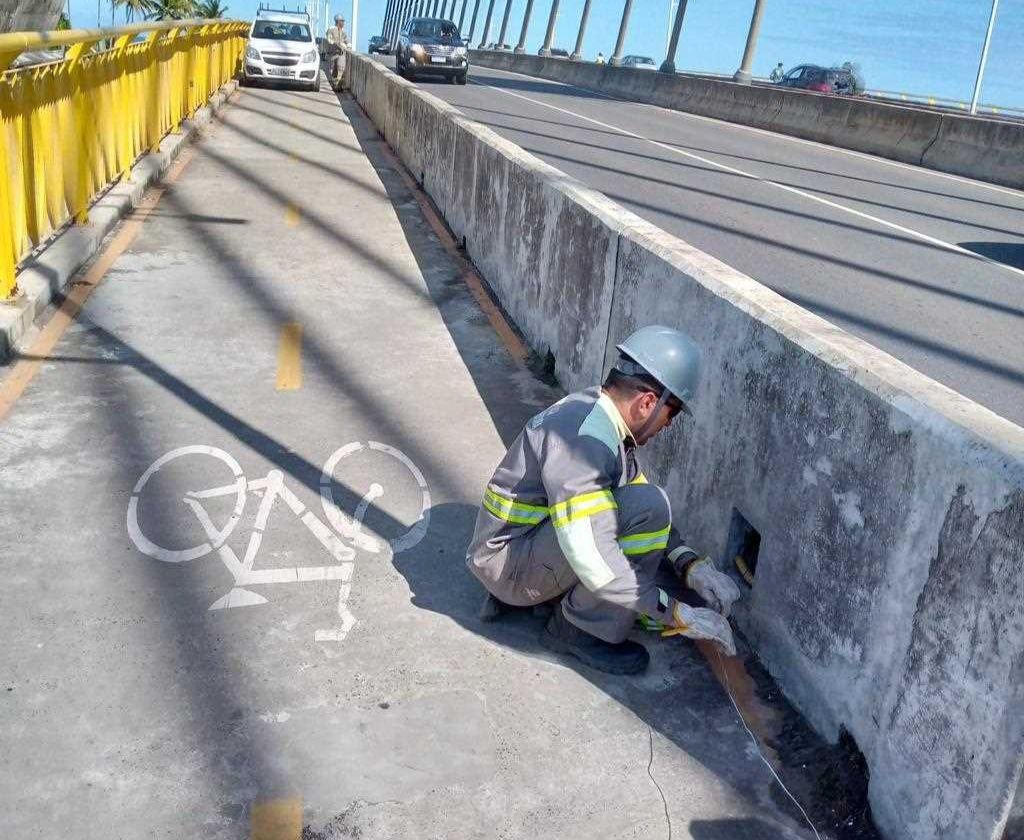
[642, 508]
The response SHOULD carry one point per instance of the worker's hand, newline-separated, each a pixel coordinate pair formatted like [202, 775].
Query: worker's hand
[701, 623]
[717, 589]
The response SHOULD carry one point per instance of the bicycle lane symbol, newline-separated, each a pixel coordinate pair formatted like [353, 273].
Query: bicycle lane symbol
[270, 488]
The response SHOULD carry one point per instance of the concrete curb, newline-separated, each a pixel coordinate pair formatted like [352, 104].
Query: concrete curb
[46, 276]
[884, 511]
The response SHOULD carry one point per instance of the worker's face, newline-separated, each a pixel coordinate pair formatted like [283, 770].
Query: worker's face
[644, 407]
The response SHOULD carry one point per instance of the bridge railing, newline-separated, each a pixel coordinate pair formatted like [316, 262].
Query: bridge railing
[70, 128]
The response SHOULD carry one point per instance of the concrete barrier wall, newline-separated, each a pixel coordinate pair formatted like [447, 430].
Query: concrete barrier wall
[986, 149]
[889, 589]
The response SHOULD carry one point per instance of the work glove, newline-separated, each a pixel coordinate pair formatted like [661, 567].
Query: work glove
[718, 590]
[702, 623]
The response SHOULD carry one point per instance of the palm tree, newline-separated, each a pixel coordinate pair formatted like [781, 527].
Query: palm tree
[168, 9]
[134, 7]
[209, 9]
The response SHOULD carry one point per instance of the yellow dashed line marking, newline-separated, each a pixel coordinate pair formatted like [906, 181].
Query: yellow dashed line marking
[276, 819]
[292, 215]
[289, 358]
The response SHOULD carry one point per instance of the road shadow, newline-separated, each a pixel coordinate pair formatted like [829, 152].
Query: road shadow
[1007, 253]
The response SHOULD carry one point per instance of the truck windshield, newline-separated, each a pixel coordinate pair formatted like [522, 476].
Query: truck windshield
[279, 31]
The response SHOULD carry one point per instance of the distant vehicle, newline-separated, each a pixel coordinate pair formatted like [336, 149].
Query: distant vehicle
[639, 62]
[431, 46]
[281, 48]
[561, 53]
[378, 44]
[839, 80]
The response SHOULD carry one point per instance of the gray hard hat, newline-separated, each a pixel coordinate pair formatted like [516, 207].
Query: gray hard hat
[669, 355]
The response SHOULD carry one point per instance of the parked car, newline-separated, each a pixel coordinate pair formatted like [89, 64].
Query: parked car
[378, 44]
[281, 48]
[639, 62]
[840, 80]
[432, 46]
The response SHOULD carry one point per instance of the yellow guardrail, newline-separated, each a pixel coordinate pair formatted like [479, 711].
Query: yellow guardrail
[69, 128]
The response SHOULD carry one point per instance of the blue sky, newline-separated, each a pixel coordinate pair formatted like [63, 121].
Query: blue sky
[921, 46]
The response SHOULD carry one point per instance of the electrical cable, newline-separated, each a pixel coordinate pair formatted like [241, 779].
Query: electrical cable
[757, 746]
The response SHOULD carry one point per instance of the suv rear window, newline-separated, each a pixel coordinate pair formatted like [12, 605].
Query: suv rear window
[280, 31]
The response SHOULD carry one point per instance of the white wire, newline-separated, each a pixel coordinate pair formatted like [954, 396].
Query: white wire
[757, 746]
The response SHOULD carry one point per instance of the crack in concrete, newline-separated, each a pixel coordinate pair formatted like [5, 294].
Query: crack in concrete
[650, 764]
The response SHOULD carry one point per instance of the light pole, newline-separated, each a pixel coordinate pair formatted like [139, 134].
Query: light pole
[550, 36]
[620, 42]
[669, 64]
[984, 57]
[743, 75]
[355, 25]
[577, 53]
[521, 46]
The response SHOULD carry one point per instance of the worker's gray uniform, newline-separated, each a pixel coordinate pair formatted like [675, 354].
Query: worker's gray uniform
[337, 46]
[569, 510]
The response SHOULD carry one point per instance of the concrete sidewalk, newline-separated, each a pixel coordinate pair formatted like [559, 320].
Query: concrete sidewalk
[192, 651]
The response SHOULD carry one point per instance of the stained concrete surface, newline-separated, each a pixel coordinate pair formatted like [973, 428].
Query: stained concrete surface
[131, 709]
[950, 315]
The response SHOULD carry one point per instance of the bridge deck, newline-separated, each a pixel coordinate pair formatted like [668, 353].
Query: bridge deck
[198, 646]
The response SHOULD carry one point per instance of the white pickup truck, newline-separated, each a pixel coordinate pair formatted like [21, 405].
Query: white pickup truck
[282, 48]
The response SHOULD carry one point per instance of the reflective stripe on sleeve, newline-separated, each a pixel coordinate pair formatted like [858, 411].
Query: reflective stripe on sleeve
[508, 509]
[578, 507]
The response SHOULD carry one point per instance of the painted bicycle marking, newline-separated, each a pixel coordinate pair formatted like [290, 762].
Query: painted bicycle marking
[270, 488]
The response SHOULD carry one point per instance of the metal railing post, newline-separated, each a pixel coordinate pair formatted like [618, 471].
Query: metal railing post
[620, 42]
[549, 37]
[462, 14]
[669, 64]
[577, 53]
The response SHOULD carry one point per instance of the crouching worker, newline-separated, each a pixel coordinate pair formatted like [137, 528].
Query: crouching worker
[569, 514]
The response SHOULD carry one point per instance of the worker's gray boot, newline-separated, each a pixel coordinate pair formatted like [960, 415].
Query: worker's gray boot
[622, 658]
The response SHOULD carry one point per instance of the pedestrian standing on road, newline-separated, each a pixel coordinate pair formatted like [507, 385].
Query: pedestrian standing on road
[777, 73]
[569, 516]
[337, 47]
[600, 58]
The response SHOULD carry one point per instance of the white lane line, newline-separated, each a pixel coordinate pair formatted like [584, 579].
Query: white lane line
[825, 147]
[924, 237]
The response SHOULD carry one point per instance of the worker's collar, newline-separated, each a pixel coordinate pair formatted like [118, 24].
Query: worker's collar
[612, 410]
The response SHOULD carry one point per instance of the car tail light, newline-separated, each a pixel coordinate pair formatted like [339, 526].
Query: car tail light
[821, 87]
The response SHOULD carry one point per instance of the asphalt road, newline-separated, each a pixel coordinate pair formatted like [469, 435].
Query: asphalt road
[927, 266]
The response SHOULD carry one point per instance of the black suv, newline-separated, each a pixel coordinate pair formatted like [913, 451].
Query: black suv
[431, 46]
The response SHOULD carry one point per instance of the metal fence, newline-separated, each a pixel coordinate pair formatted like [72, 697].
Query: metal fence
[71, 127]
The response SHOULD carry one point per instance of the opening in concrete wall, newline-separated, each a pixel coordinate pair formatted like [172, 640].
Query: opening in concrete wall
[743, 546]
